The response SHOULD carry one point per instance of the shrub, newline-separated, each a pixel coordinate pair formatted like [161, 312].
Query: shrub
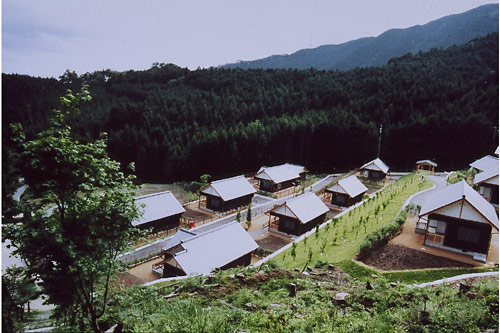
[320, 263]
[381, 236]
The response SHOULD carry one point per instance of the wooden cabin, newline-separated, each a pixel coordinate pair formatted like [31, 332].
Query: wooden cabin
[161, 211]
[347, 192]
[458, 219]
[426, 165]
[375, 170]
[486, 183]
[200, 252]
[299, 215]
[486, 180]
[276, 178]
[227, 194]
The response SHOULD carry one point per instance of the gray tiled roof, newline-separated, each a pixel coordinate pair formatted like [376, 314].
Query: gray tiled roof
[305, 207]
[455, 193]
[203, 253]
[485, 163]
[229, 188]
[434, 164]
[158, 206]
[376, 165]
[350, 186]
[280, 173]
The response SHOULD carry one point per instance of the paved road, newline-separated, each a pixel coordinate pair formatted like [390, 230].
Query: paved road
[439, 181]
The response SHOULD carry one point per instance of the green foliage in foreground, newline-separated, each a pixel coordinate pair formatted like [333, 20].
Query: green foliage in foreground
[77, 213]
[260, 302]
[343, 239]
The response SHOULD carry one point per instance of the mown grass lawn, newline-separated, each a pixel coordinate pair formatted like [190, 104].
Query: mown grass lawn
[341, 238]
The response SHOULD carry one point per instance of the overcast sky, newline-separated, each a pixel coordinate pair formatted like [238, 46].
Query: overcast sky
[44, 38]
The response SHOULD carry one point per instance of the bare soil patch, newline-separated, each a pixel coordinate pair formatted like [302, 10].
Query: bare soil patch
[129, 280]
[333, 212]
[372, 189]
[394, 257]
[272, 243]
[195, 215]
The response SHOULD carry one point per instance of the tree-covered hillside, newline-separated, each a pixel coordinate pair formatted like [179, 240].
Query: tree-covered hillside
[178, 124]
[376, 51]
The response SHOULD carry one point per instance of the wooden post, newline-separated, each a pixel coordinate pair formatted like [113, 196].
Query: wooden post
[426, 228]
[293, 289]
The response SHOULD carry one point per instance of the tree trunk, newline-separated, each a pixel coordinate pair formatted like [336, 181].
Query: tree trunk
[93, 321]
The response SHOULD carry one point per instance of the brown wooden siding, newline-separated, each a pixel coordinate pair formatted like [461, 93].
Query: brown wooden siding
[293, 226]
[171, 271]
[241, 261]
[376, 175]
[343, 200]
[465, 235]
[217, 204]
[269, 186]
[166, 223]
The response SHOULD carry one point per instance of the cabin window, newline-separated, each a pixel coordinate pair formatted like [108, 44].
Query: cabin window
[340, 198]
[437, 227]
[468, 235]
[215, 202]
[485, 191]
[266, 184]
[441, 227]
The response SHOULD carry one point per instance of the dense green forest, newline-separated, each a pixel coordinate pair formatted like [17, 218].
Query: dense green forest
[177, 124]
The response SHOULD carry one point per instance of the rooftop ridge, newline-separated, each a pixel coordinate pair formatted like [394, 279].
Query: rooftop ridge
[226, 179]
[195, 236]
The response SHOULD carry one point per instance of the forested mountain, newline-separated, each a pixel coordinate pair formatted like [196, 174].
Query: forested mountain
[376, 51]
[178, 124]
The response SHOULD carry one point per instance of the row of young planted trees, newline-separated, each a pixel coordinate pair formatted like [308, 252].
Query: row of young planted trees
[366, 225]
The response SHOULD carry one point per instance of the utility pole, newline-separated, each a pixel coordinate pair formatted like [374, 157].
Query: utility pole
[379, 140]
[493, 139]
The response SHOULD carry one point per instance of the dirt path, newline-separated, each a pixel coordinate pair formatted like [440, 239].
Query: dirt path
[140, 274]
[458, 278]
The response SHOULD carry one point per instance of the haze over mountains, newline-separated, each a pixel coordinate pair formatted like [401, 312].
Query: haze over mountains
[376, 51]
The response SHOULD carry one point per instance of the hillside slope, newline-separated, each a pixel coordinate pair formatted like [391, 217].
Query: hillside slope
[375, 51]
[177, 124]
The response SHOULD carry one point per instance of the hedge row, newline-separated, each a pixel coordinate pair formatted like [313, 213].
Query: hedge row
[381, 236]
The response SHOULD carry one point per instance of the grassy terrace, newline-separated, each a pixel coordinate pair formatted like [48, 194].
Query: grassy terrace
[408, 277]
[340, 239]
